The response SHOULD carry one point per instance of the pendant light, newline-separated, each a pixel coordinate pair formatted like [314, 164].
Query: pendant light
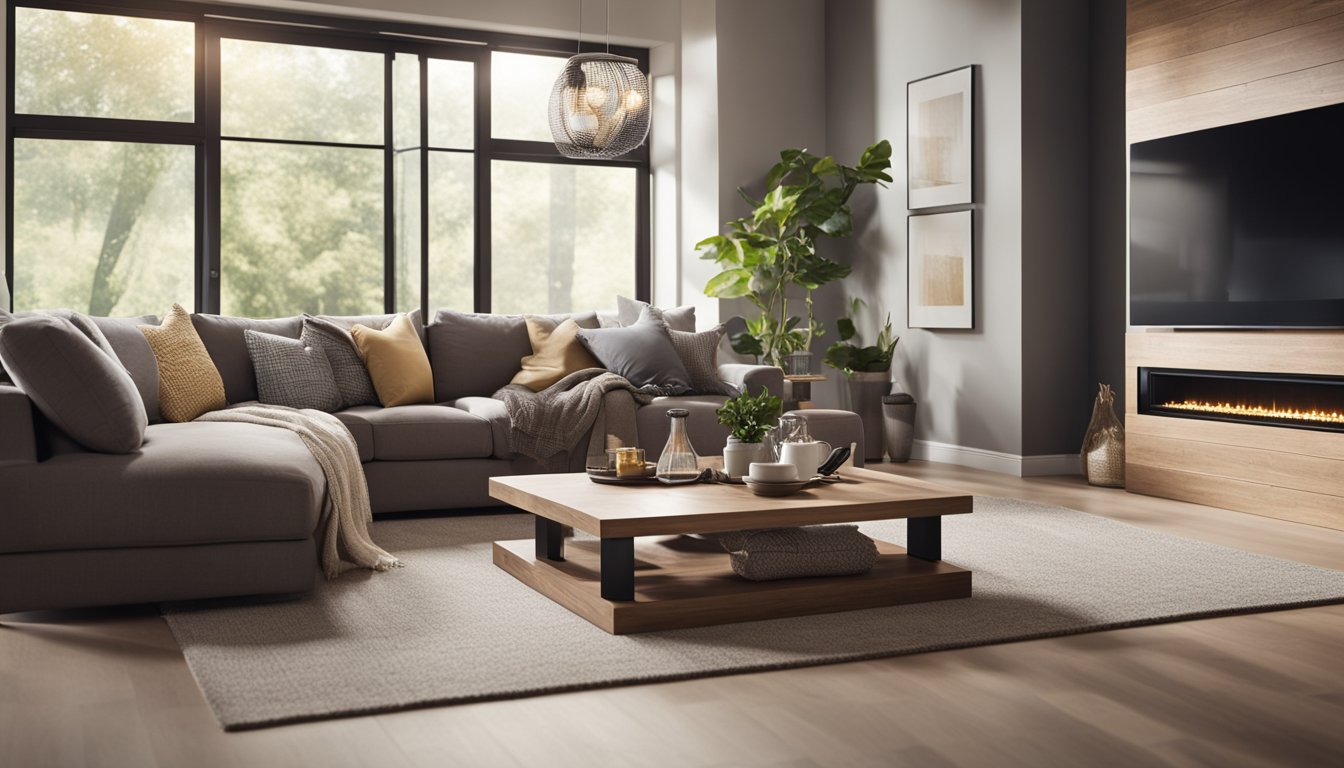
[599, 105]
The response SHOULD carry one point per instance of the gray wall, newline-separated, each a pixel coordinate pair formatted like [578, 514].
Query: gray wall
[1108, 169]
[1047, 209]
[1056, 394]
[968, 383]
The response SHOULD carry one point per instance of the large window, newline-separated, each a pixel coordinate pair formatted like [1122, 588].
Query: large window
[302, 164]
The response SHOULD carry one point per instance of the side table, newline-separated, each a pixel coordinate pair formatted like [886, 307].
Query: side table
[801, 386]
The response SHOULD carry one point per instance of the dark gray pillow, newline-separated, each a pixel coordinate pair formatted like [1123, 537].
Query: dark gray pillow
[222, 336]
[643, 353]
[347, 368]
[476, 354]
[291, 374]
[677, 318]
[134, 352]
[699, 352]
[83, 390]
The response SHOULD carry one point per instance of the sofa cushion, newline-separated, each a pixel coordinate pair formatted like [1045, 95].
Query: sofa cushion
[189, 382]
[360, 428]
[556, 353]
[352, 378]
[708, 436]
[194, 483]
[643, 353]
[699, 352]
[677, 318]
[397, 363]
[291, 374]
[134, 352]
[477, 354]
[421, 432]
[84, 390]
[222, 336]
[497, 414]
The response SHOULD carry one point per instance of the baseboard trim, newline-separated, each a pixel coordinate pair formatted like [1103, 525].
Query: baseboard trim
[996, 461]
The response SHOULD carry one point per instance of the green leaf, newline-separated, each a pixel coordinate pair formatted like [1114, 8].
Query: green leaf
[839, 224]
[845, 326]
[744, 343]
[729, 284]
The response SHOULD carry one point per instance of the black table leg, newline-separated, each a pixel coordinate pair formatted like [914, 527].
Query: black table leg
[618, 569]
[924, 537]
[550, 539]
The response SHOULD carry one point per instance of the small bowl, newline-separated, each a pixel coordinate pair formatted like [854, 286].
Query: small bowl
[772, 472]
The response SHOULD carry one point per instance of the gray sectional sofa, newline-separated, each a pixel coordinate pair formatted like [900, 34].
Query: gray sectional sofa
[214, 509]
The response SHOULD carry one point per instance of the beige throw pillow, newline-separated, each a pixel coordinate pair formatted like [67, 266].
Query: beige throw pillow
[396, 361]
[556, 353]
[189, 383]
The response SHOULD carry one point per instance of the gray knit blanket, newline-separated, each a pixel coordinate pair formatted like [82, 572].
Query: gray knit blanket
[346, 512]
[546, 426]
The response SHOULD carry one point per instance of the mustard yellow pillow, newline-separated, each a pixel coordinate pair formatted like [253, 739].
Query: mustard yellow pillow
[556, 353]
[189, 383]
[396, 361]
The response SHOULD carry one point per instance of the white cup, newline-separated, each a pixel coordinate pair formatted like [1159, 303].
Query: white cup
[772, 472]
[805, 457]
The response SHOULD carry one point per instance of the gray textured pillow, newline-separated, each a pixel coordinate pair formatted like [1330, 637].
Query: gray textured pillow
[790, 553]
[291, 374]
[699, 352]
[677, 318]
[222, 336]
[352, 378]
[643, 353]
[83, 390]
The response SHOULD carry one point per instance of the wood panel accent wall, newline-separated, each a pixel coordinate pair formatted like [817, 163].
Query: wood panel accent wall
[1195, 64]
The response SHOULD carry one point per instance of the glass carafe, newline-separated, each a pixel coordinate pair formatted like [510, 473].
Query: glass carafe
[678, 461]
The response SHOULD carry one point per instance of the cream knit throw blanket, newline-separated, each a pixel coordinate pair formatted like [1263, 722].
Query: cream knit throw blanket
[346, 513]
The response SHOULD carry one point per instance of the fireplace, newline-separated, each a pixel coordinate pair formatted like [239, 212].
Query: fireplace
[1279, 400]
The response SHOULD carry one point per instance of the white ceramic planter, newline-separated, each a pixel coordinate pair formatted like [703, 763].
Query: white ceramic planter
[738, 456]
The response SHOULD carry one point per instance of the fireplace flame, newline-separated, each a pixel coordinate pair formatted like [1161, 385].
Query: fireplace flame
[1258, 411]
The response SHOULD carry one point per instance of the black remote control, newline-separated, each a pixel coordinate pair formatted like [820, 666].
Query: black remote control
[834, 461]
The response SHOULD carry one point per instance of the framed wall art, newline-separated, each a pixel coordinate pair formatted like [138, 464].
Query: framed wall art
[940, 265]
[938, 139]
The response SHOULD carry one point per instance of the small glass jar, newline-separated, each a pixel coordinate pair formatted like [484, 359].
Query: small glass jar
[678, 461]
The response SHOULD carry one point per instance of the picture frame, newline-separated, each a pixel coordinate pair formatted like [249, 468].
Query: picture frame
[939, 113]
[940, 270]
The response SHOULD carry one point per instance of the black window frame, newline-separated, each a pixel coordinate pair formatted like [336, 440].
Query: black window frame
[215, 22]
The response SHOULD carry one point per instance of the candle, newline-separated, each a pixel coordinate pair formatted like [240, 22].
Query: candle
[630, 462]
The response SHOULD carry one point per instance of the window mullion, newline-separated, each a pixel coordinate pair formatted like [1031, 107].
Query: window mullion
[424, 188]
[481, 194]
[389, 202]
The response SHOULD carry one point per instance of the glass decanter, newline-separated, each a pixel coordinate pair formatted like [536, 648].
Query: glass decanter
[678, 462]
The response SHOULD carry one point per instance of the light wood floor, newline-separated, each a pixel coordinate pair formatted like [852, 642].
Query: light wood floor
[110, 688]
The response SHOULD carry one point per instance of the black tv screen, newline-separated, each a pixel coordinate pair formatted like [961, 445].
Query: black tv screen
[1241, 225]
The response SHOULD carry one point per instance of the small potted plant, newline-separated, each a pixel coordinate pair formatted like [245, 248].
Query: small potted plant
[868, 369]
[749, 419]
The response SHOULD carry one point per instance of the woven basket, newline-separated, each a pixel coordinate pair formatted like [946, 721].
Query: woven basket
[1103, 453]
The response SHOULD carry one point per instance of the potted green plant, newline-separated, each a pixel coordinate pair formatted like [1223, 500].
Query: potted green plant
[772, 252]
[748, 419]
[868, 370]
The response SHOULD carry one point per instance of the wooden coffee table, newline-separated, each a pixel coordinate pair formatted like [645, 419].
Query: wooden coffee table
[671, 581]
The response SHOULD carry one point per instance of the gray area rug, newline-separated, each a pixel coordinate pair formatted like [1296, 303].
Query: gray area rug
[450, 627]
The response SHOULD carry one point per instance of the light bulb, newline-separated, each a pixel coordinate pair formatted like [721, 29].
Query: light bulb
[596, 96]
[583, 121]
[632, 100]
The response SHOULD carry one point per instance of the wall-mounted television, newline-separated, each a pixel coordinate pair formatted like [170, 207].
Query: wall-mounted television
[1240, 226]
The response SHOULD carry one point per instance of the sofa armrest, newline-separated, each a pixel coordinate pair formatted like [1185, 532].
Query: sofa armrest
[750, 378]
[18, 441]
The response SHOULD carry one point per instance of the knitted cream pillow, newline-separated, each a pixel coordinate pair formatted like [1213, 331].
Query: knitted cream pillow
[556, 353]
[189, 383]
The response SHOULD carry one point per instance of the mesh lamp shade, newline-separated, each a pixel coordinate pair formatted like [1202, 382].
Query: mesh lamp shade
[599, 106]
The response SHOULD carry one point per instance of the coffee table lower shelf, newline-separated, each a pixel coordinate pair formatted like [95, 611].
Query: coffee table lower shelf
[683, 582]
